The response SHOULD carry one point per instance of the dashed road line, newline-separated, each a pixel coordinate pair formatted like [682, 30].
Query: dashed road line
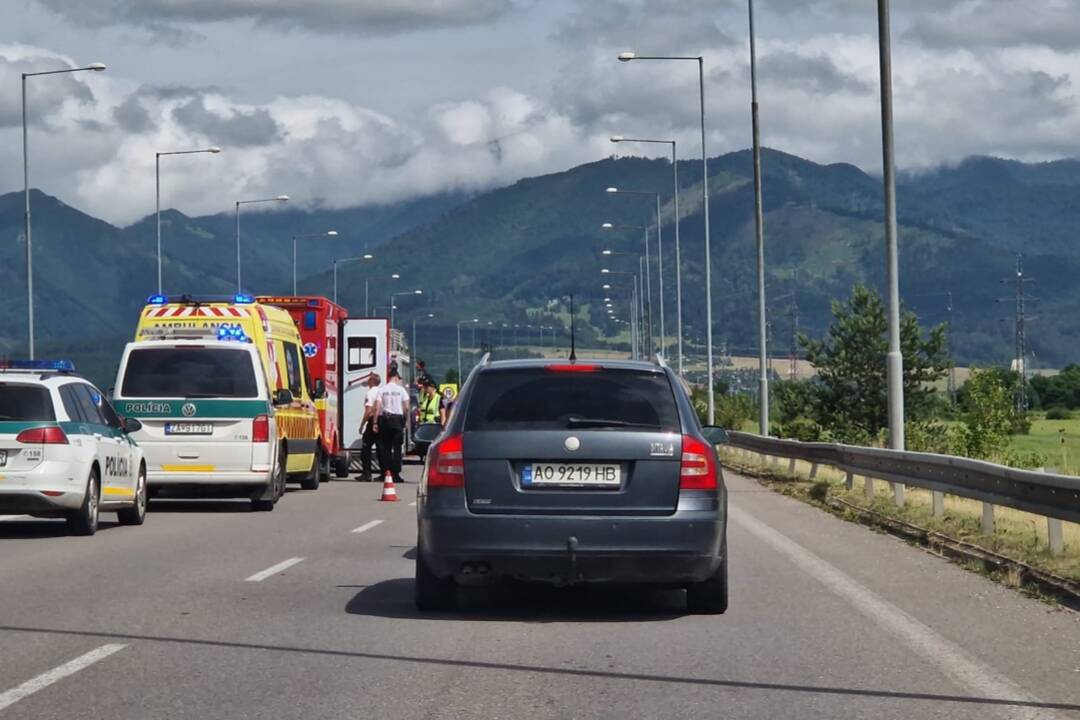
[274, 570]
[367, 526]
[4, 518]
[33, 685]
[412, 504]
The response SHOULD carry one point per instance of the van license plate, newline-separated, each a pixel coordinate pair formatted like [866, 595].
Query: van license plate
[189, 428]
[571, 474]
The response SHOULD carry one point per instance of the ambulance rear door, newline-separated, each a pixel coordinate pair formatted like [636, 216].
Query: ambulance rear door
[364, 350]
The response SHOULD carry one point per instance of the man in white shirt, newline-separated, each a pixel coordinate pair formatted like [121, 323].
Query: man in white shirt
[367, 427]
[391, 411]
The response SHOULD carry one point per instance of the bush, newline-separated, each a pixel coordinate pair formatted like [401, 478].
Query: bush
[1058, 413]
[819, 491]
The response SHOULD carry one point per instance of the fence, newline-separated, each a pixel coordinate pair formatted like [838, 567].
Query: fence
[1056, 497]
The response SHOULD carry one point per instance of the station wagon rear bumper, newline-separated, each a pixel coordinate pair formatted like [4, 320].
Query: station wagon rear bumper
[673, 549]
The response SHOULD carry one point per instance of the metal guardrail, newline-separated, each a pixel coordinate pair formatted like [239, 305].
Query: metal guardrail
[1047, 494]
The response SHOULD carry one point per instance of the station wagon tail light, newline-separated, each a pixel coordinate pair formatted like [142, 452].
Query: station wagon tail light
[447, 467]
[573, 367]
[698, 469]
[260, 429]
[51, 435]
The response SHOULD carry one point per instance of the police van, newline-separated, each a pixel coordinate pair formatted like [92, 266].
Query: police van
[224, 397]
[64, 451]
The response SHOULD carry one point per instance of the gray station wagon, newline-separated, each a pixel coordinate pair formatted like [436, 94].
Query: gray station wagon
[573, 472]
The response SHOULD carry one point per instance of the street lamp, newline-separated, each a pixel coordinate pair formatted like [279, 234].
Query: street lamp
[627, 57]
[365, 256]
[635, 345]
[214, 150]
[659, 255]
[645, 288]
[330, 233]
[415, 352]
[400, 294]
[93, 67]
[678, 249]
[461, 380]
[279, 198]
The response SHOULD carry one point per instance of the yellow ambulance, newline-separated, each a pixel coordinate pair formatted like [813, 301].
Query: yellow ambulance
[223, 393]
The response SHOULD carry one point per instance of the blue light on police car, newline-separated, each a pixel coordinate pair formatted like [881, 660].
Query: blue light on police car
[157, 300]
[242, 299]
[59, 365]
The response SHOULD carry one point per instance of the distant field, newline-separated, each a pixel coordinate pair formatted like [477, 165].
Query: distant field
[1045, 438]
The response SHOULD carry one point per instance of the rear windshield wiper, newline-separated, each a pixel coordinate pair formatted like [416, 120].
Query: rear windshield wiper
[200, 396]
[576, 422]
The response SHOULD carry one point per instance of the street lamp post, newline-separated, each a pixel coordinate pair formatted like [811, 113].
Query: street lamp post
[365, 256]
[461, 380]
[331, 233]
[607, 271]
[400, 294]
[659, 257]
[627, 57]
[214, 150]
[634, 316]
[279, 198]
[678, 248]
[759, 236]
[645, 289]
[94, 67]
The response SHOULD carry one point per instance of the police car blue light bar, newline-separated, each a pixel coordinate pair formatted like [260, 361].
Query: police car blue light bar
[57, 365]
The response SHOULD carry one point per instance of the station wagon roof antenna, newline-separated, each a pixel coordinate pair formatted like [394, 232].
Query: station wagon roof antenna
[573, 340]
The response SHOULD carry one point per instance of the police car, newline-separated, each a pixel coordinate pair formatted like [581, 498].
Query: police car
[64, 452]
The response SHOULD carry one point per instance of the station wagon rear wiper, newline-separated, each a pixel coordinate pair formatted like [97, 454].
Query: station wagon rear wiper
[576, 422]
[200, 396]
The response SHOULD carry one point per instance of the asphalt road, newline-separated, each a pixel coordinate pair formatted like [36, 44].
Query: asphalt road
[212, 611]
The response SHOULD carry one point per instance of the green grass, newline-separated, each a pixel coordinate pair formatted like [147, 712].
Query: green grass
[1045, 438]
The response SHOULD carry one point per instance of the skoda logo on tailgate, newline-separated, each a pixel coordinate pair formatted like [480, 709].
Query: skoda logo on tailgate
[188, 410]
[572, 443]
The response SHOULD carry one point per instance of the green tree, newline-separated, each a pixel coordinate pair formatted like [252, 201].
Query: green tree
[987, 419]
[451, 377]
[850, 361]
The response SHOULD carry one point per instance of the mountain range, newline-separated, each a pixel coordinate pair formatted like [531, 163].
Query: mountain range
[514, 255]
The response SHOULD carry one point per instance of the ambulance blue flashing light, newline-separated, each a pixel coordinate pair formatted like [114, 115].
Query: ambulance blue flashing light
[234, 333]
[241, 299]
[157, 300]
[57, 365]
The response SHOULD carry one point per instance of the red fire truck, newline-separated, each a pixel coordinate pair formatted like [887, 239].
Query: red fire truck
[320, 322]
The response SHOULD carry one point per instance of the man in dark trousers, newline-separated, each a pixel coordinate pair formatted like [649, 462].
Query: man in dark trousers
[391, 411]
[367, 427]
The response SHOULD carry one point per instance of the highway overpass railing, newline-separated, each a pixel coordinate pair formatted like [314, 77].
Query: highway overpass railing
[1054, 496]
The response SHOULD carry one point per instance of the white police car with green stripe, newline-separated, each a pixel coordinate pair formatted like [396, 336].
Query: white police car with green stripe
[64, 452]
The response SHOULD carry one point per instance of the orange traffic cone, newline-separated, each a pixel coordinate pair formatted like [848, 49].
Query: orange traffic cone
[389, 492]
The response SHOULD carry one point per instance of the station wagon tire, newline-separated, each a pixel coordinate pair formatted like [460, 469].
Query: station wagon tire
[433, 594]
[84, 521]
[311, 480]
[262, 504]
[136, 514]
[710, 596]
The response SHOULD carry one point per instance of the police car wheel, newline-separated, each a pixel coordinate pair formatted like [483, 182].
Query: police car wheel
[136, 514]
[84, 521]
[262, 504]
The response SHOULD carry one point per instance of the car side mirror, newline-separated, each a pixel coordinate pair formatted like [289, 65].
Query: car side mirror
[716, 435]
[320, 389]
[283, 396]
[130, 425]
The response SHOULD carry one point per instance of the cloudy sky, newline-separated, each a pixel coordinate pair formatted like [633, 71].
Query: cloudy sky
[349, 102]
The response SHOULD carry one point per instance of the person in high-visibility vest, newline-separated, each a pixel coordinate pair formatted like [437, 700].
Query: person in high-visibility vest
[429, 404]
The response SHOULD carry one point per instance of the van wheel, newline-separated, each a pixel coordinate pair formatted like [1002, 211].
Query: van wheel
[311, 480]
[710, 596]
[261, 503]
[136, 514]
[433, 594]
[84, 521]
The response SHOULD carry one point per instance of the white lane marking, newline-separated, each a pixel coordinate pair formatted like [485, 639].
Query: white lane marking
[274, 570]
[949, 658]
[31, 686]
[412, 504]
[367, 526]
[4, 518]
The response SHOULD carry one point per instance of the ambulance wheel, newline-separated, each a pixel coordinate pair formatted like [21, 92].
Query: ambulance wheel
[310, 481]
[341, 466]
[84, 521]
[136, 514]
[324, 467]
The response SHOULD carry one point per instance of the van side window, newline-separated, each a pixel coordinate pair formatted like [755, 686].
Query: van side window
[292, 368]
[360, 353]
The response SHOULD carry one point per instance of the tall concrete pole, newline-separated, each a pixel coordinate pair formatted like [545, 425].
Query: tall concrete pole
[759, 230]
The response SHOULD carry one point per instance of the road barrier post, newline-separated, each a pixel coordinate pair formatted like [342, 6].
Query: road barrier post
[898, 494]
[987, 519]
[868, 487]
[849, 480]
[1056, 536]
[939, 504]
[791, 467]
[813, 471]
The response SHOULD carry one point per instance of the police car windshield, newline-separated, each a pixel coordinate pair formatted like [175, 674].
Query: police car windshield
[189, 372]
[25, 403]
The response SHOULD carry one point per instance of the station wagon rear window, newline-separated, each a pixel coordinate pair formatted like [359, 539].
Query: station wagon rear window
[542, 399]
[25, 402]
[189, 372]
